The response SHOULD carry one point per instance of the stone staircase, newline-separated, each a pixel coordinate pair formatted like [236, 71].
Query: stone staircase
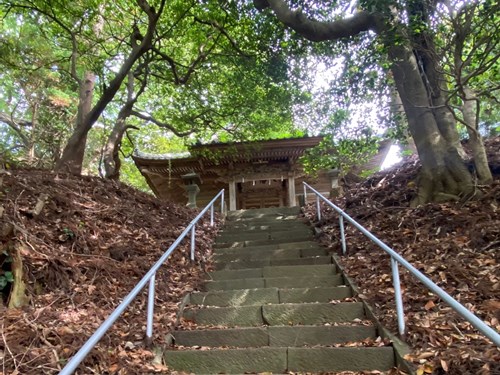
[268, 306]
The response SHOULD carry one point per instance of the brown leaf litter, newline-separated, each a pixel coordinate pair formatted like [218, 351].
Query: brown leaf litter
[84, 244]
[456, 244]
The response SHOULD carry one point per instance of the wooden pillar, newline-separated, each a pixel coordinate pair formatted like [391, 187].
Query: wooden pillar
[232, 195]
[291, 191]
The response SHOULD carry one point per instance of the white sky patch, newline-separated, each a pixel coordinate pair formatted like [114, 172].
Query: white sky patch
[393, 157]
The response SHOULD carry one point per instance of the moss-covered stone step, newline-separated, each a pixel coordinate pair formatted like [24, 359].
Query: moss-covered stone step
[340, 359]
[275, 282]
[241, 297]
[227, 361]
[263, 212]
[244, 297]
[276, 233]
[275, 271]
[277, 314]
[279, 336]
[252, 226]
[275, 238]
[312, 313]
[271, 255]
[280, 360]
[239, 248]
[270, 261]
[316, 294]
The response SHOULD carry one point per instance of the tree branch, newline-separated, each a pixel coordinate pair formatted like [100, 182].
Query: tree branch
[16, 124]
[317, 31]
[127, 65]
[160, 124]
[223, 31]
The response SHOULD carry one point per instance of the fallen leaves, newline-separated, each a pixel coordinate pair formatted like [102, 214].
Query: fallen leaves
[87, 248]
[457, 245]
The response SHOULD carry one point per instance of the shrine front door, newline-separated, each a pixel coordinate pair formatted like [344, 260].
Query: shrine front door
[261, 194]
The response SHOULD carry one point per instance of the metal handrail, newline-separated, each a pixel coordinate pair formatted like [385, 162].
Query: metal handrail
[148, 278]
[398, 259]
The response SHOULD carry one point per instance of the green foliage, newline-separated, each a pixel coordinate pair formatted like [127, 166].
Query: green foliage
[342, 147]
[149, 139]
[232, 74]
[343, 154]
[6, 276]
[368, 172]
[467, 38]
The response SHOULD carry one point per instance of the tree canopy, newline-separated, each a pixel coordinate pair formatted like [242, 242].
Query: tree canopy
[85, 82]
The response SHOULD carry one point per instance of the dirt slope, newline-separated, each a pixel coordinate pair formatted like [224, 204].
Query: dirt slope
[456, 244]
[84, 243]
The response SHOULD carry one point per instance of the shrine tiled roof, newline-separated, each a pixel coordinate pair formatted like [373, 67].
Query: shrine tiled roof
[223, 154]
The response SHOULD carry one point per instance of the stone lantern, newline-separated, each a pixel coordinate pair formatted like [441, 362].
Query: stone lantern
[191, 181]
[335, 188]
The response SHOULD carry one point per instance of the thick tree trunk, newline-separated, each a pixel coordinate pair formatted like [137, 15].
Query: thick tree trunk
[75, 149]
[444, 175]
[111, 157]
[470, 114]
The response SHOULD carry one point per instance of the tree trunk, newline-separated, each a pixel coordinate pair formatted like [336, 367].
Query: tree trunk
[34, 129]
[72, 157]
[470, 113]
[75, 149]
[444, 175]
[111, 157]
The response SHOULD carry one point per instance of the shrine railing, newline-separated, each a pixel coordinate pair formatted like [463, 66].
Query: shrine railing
[397, 259]
[149, 277]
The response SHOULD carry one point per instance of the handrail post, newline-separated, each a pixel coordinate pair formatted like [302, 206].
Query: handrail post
[342, 234]
[193, 234]
[305, 194]
[318, 207]
[222, 202]
[398, 297]
[151, 308]
[212, 215]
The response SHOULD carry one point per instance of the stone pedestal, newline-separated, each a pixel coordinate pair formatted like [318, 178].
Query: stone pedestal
[192, 180]
[335, 188]
[192, 191]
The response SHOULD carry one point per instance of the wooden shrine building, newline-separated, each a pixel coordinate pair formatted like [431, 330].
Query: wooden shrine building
[255, 174]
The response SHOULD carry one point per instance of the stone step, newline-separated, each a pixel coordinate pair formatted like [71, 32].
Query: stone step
[341, 359]
[238, 236]
[276, 282]
[241, 297]
[275, 336]
[277, 238]
[271, 222]
[277, 246]
[316, 294]
[271, 255]
[312, 313]
[273, 304]
[280, 360]
[253, 227]
[263, 212]
[227, 361]
[271, 261]
[275, 271]
[245, 297]
[275, 315]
